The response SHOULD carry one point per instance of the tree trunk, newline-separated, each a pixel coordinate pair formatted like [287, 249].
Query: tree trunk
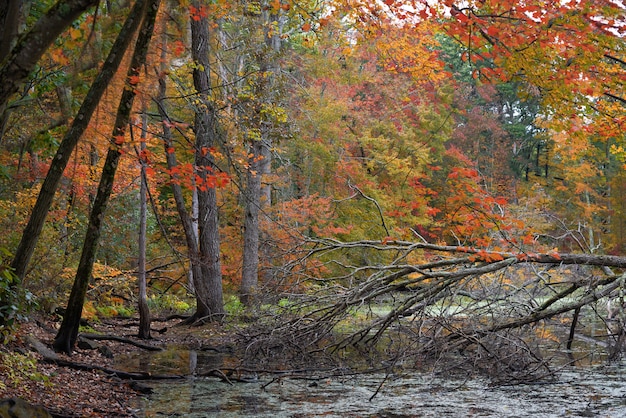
[252, 203]
[189, 228]
[23, 57]
[38, 215]
[144, 311]
[208, 132]
[10, 20]
[255, 195]
[66, 337]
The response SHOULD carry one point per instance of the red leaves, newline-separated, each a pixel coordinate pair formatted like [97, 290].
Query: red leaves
[198, 13]
[211, 181]
[432, 211]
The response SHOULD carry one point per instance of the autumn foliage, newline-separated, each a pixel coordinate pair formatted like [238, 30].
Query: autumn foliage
[489, 125]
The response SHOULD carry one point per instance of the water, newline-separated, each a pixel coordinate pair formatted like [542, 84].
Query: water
[598, 391]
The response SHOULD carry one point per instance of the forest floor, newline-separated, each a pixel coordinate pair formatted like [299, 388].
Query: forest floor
[68, 392]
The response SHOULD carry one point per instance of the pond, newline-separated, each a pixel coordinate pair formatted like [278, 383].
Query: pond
[590, 391]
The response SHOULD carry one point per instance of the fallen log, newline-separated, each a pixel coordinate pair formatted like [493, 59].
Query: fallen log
[103, 337]
[113, 372]
[50, 356]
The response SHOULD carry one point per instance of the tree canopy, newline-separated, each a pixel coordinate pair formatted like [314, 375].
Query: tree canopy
[459, 163]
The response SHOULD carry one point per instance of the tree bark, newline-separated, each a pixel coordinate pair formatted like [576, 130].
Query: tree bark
[255, 195]
[11, 18]
[252, 203]
[208, 134]
[38, 215]
[18, 63]
[144, 311]
[68, 333]
[189, 228]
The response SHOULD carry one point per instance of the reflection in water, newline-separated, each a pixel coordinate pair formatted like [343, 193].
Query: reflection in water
[598, 391]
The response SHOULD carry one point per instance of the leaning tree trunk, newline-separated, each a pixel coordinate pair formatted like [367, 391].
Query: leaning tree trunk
[38, 215]
[68, 333]
[208, 132]
[21, 59]
[189, 227]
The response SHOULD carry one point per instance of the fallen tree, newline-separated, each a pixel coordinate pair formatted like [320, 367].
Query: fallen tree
[401, 303]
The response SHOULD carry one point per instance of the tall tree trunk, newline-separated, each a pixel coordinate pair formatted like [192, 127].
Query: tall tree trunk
[252, 203]
[144, 311]
[189, 227]
[79, 125]
[255, 194]
[66, 337]
[208, 134]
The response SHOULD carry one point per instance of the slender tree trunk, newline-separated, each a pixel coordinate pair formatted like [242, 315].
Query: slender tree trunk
[255, 194]
[208, 133]
[144, 311]
[189, 227]
[68, 333]
[38, 215]
[194, 228]
[252, 203]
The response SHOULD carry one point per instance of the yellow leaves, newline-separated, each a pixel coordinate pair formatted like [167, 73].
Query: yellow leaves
[75, 33]
[273, 113]
[618, 151]
[411, 52]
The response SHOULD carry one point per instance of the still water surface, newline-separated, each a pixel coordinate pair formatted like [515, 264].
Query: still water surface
[591, 391]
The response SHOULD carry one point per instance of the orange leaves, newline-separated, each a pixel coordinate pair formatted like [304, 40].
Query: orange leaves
[277, 5]
[463, 172]
[554, 253]
[432, 211]
[413, 52]
[198, 13]
[488, 257]
[387, 240]
[118, 140]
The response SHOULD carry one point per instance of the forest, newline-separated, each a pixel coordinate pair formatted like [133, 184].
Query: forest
[339, 184]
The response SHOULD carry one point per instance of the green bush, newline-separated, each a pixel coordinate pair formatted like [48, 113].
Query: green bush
[15, 303]
[234, 306]
[169, 303]
[18, 367]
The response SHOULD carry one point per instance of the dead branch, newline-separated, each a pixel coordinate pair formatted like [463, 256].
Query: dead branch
[102, 337]
[433, 298]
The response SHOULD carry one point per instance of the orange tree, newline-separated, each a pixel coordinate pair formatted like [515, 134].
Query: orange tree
[569, 59]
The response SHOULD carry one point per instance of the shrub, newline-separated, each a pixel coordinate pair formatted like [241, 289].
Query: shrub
[15, 303]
